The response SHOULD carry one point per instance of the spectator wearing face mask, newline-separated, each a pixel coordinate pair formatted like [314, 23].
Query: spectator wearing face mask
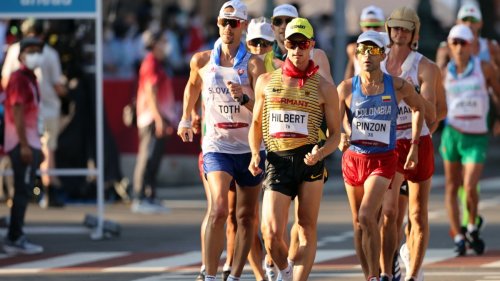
[22, 142]
[49, 77]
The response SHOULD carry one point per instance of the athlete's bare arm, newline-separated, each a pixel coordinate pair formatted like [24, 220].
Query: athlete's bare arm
[406, 91]
[255, 69]
[322, 61]
[329, 100]
[349, 69]
[427, 75]
[495, 54]
[255, 133]
[441, 106]
[442, 56]
[491, 78]
[345, 95]
[192, 92]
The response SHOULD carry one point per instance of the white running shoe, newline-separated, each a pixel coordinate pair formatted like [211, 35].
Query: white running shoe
[404, 253]
[147, 207]
[21, 246]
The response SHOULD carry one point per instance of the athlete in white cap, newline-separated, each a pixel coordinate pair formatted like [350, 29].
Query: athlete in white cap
[487, 50]
[370, 100]
[464, 140]
[372, 18]
[225, 77]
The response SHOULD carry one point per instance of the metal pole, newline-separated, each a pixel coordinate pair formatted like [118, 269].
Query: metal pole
[99, 233]
[340, 41]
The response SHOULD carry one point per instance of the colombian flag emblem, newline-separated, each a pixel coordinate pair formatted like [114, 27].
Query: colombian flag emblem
[386, 98]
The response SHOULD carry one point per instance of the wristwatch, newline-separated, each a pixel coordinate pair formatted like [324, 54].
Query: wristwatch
[244, 99]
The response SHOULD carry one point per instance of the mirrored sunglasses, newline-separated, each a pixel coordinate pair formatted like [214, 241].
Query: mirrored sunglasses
[370, 50]
[233, 23]
[303, 45]
[259, 42]
[280, 21]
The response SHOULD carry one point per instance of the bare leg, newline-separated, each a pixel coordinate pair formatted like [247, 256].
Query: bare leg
[245, 217]
[419, 232]
[256, 252]
[355, 196]
[205, 220]
[453, 176]
[389, 231]
[472, 174]
[218, 182]
[293, 250]
[231, 228]
[309, 199]
[275, 207]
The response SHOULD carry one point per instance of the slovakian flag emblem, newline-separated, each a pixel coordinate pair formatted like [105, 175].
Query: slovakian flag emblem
[386, 98]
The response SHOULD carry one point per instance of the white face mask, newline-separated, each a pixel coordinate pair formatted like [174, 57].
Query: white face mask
[33, 61]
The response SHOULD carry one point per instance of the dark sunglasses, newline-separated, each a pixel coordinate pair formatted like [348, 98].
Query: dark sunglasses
[457, 41]
[279, 21]
[233, 23]
[259, 42]
[470, 19]
[370, 50]
[303, 45]
[401, 29]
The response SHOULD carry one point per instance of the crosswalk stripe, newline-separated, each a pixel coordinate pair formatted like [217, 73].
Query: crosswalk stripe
[123, 262]
[160, 264]
[325, 255]
[491, 264]
[65, 260]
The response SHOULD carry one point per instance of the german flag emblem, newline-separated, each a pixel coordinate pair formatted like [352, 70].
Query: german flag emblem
[386, 98]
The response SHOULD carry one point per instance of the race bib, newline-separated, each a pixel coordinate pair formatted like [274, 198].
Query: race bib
[468, 108]
[404, 116]
[371, 132]
[288, 124]
[228, 115]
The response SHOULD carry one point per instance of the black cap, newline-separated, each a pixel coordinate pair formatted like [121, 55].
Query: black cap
[29, 42]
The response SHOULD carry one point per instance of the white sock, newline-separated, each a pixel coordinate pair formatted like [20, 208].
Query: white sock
[287, 273]
[226, 267]
[269, 271]
[387, 275]
[202, 268]
[458, 238]
[232, 278]
[410, 278]
[471, 227]
[209, 278]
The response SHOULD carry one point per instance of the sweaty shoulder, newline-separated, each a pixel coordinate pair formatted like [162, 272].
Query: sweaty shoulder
[345, 87]
[200, 59]
[426, 66]
[264, 78]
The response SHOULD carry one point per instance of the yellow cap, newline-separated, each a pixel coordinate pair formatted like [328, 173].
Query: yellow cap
[299, 25]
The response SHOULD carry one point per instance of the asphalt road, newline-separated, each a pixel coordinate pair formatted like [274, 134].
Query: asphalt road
[166, 247]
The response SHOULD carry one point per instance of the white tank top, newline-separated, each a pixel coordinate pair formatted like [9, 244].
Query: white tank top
[467, 99]
[409, 72]
[227, 122]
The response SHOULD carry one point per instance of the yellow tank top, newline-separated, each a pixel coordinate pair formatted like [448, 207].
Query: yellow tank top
[268, 61]
[292, 116]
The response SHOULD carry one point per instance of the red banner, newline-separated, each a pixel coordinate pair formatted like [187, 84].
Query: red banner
[117, 94]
